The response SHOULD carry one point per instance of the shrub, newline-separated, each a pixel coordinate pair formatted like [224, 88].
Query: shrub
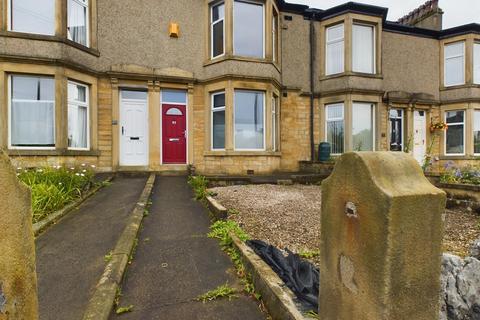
[54, 187]
[463, 175]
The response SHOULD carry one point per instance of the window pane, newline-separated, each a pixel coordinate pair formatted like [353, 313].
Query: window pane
[77, 126]
[174, 96]
[218, 12]
[217, 38]
[249, 131]
[363, 48]
[219, 100]
[248, 29]
[335, 33]
[362, 127]
[476, 132]
[454, 49]
[33, 16]
[134, 95]
[32, 111]
[476, 63]
[174, 112]
[77, 21]
[454, 143]
[396, 130]
[455, 116]
[218, 130]
[335, 50]
[335, 128]
[454, 64]
[77, 92]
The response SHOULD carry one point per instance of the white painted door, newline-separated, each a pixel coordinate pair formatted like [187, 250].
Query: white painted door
[133, 128]
[419, 136]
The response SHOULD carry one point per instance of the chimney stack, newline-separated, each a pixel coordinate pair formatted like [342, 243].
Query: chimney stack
[427, 16]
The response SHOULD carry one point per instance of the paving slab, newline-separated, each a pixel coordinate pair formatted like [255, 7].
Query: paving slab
[70, 254]
[175, 263]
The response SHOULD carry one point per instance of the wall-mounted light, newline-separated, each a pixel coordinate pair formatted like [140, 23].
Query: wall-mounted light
[174, 30]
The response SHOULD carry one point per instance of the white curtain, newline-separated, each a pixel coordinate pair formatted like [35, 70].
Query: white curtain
[335, 50]
[32, 123]
[362, 127]
[363, 48]
[77, 126]
[454, 64]
[476, 63]
[77, 22]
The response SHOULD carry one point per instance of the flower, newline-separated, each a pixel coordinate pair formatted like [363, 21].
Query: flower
[93, 166]
[83, 164]
[77, 174]
[82, 175]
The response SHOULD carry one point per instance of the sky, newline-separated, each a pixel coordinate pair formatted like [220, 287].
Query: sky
[457, 12]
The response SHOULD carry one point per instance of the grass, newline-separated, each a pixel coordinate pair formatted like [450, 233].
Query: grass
[223, 291]
[123, 310]
[52, 188]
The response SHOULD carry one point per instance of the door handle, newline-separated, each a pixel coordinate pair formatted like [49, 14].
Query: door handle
[134, 138]
[174, 139]
[123, 131]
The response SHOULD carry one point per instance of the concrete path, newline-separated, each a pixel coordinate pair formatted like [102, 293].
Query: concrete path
[70, 254]
[175, 263]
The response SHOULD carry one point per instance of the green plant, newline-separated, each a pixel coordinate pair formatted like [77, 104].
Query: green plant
[199, 185]
[312, 314]
[123, 310]
[223, 291]
[409, 144]
[221, 230]
[460, 175]
[307, 254]
[233, 211]
[108, 257]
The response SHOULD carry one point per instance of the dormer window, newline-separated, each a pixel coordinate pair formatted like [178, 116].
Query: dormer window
[454, 64]
[335, 57]
[78, 21]
[31, 17]
[217, 30]
[248, 29]
[363, 48]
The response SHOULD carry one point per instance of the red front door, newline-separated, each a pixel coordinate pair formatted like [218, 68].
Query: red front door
[174, 133]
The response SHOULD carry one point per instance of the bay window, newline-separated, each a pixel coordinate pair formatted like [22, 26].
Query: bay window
[335, 55]
[78, 116]
[476, 132]
[363, 129]
[77, 27]
[396, 130]
[455, 135]
[476, 63]
[218, 121]
[249, 126]
[334, 126]
[363, 48]
[248, 29]
[454, 66]
[32, 111]
[217, 30]
[32, 16]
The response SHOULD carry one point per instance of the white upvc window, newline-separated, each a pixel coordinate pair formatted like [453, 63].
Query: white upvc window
[78, 21]
[217, 30]
[249, 120]
[32, 16]
[476, 132]
[335, 53]
[275, 36]
[454, 67]
[335, 127]
[248, 29]
[78, 116]
[363, 126]
[363, 48]
[31, 118]
[476, 62]
[275, 124]
[218, 121]
[455, 135]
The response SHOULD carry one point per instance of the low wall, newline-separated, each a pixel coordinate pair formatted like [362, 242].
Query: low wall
[462, 195]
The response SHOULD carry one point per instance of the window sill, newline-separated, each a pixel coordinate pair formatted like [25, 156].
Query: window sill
[41, 37]
[453, 157]
[242, 154]
[461, 86]
[58, 152]
[243, 59]
[352, 74]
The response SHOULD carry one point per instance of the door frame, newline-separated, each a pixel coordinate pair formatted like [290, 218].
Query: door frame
[147, 132]
[187, 136]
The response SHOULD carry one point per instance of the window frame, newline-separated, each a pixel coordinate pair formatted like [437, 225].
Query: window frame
[327, 120]
[275, 34]
[476, 71]
[445, 58]
[327, 42]
[373, 106]
[10, 21]
[264, 38]
[212, 111]
[9, 106]
[475, 111]
[234, 122]
[374, 47]
[87, 17]
[402, 121]
[78, 104]
[455, 124]
[212, 23]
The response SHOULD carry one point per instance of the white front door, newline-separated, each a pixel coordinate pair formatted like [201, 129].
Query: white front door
[133, 128]
[419, 136]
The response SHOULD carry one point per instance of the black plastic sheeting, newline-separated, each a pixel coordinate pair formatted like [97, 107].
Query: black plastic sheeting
[299, 275]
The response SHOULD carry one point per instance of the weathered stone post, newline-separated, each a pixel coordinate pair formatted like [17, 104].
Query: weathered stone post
[18, 280]
[381, 240]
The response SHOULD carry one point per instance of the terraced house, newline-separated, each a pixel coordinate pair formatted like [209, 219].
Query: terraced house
[231, 86]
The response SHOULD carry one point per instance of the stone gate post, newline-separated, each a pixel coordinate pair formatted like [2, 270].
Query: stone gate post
[18, 281]
[381, 240]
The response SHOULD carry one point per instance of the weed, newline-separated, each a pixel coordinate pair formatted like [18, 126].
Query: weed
[307, 254]
[105, 183]
[122, 310]
[134, 250]
[146, 213]
[199, 185]
[223, 291]
[108, 257]
[233, 211]
[221, 229]
[311, 314]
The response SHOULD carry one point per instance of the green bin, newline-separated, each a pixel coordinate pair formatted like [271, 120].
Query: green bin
[324, 150]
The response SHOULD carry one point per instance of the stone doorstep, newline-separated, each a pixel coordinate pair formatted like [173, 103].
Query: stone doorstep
[102, 301]
[278, 298]
[54, 217]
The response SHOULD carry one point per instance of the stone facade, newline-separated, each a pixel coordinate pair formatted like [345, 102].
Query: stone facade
[408, 75]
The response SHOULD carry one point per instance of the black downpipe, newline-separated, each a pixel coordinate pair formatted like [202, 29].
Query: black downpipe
[312, 85]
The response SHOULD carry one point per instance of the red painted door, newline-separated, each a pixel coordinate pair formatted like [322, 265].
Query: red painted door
[174, 135]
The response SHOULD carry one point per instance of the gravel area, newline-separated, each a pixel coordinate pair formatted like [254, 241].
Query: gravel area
[289, 217]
